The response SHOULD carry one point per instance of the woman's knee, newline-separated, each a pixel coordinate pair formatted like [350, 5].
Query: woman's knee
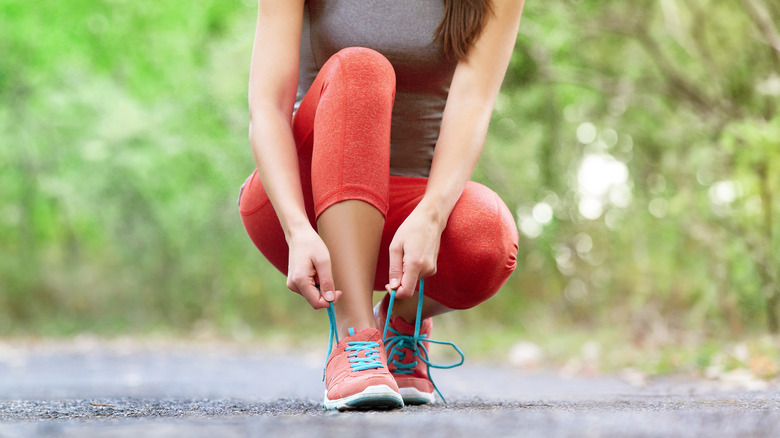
[483, 223]
[367, 67]
[363, 57]
[480, 245]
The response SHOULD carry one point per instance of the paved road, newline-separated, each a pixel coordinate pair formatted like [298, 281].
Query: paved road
[123, 389]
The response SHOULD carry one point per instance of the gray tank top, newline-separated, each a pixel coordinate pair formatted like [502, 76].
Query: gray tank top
[403, 31]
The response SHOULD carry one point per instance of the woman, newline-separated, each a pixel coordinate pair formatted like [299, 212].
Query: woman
[367, 119]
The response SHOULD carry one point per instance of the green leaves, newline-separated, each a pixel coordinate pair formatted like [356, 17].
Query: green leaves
[124, 144]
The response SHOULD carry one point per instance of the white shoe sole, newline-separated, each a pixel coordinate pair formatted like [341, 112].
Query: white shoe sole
[373, 397]
[413, 396]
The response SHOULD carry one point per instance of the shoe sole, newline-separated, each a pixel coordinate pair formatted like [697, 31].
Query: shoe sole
[374, 397]
[413, 396]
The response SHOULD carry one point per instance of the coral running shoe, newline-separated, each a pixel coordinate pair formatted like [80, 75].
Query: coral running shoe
[404, 362]
[407, 347]
[356, 373]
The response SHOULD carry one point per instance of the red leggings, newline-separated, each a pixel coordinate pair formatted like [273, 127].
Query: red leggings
[342, 132]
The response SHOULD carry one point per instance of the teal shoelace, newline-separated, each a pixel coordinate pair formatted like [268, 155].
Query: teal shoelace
[370, 359]
[394, 345]
[399, 342]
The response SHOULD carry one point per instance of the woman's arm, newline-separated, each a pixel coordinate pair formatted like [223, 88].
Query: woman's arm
[473, 91]
[273, 82]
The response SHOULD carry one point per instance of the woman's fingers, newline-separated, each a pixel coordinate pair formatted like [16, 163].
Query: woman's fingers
[406, 270]
[396, 266]
[309, 271]
[323, 271]
[413, 253]
[314, 297]
[408, 281]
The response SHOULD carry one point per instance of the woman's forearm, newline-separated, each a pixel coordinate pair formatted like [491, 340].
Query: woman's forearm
[473, 92]
[273, 81]
[462, 135]
[276, 159]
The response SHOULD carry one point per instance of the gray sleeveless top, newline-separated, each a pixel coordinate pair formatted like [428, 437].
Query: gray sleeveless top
[403, 31]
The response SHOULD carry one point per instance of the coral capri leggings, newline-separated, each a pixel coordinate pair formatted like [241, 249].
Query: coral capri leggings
[342, 133]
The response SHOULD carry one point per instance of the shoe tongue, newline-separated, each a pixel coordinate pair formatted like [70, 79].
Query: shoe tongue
[405, 328]
[402, 326]
[368, 334]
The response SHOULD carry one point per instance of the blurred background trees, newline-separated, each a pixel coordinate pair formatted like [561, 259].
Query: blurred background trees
[636, 141]
[648, 177]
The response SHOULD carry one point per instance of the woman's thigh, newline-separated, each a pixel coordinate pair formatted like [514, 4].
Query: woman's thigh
[262, 224]
[478, 247]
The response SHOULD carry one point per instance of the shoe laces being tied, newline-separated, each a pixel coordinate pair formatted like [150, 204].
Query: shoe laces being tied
[370, 349]
[400, 344]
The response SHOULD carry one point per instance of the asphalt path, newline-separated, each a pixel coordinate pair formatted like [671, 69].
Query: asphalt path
[127, 389]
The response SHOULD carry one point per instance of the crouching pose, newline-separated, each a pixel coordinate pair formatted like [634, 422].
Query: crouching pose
[367, 119]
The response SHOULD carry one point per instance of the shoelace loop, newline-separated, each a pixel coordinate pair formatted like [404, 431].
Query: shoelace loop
[414, 343]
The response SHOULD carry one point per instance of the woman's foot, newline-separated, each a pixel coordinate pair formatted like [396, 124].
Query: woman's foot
[411, 373]
[357, 376]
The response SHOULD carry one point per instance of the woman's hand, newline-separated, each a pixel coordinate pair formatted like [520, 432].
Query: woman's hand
[308, 267]
[414, 251]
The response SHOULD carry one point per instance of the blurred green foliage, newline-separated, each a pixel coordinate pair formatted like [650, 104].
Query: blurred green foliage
[636, 141]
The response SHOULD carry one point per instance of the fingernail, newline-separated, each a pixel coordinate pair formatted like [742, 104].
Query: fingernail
[394, 283]
[329, 296]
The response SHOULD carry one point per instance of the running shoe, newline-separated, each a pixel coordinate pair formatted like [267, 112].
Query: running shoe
[356, 374]
[407, 348]
[405, 354]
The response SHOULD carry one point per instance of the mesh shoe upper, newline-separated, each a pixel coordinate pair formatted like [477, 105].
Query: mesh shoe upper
[356, 363]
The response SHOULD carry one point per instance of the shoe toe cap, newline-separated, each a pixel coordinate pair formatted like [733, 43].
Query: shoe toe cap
[355, 384]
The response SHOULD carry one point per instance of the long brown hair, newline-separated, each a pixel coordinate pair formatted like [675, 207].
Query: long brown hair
[463, 22]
